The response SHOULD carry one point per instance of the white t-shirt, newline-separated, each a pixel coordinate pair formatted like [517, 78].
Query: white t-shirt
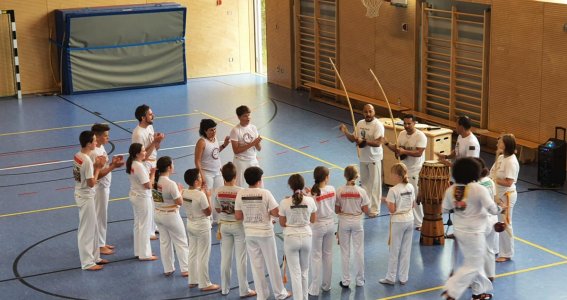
[210, 158]
[412, 142]
[100, 151]
[83, 169]
[370, 131]
[298, 217]
[224, 198]
[351, 199]
[139, 175]
[166, 193]
[244, 136]
[403, 196]
[505, 167]
[256, 204]
[467, 147]
[326, 203]
[473, 218]
[194, 202]
[490, 186]
[145, 136]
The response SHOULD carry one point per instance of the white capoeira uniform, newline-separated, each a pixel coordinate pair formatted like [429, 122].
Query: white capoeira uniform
[467, 147]
[211, 166]
[371, 163]
[491, 235]
[141, 200]
[297, 242]
[351, 199]
[256, 204]
[87, 237]
[242, 161]
[102, 195]
[506, 167]
[199, 232]
[145, 136]
[232, 241]
[170, 224]
[401, 231]
[322, 241]
[470, 233]
[414, 164]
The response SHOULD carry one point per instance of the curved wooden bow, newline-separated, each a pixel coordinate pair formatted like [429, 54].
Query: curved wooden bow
[389, 108]
[348, 101]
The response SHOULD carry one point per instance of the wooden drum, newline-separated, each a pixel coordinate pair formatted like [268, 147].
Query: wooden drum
[433, 181]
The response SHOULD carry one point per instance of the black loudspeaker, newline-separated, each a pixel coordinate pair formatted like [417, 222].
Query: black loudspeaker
[551, 161]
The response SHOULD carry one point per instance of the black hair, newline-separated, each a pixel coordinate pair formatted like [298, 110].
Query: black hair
[141, 112]
[242, 109]
[319, 175]
[86, 137]
[483, 169]
[409, 116]
[465, 122]
[228, 171]
[252, 175]
[466, 170]
[134, 149]
[296, 184]
[205, 125]
[100, 128]
[190, 176]
[162, 164]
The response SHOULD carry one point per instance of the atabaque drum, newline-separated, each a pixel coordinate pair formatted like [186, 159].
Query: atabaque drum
[433, 181]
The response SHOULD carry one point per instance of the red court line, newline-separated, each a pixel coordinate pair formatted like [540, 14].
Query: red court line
[304, 147]
[27, 194]
[283, 152]
[323, 142]
[65, 188]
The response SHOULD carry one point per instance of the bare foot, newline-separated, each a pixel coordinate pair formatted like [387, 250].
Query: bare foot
[212, 287]
[168, 273]
[502, 259]
[109, 246]
[185, 274]
[95, 268]
[153, 257]
[103, 262]
[153, 237]
[289, 294]
[106, 251]
[193, 285]
[251, 293]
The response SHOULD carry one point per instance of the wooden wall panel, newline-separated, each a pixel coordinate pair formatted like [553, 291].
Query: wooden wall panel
[279, 37]
[554, 71]
[6, 60]
[515, 68]
[356, 42]
[396, 51]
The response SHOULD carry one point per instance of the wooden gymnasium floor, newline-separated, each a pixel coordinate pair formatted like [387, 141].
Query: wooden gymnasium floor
[38, 218]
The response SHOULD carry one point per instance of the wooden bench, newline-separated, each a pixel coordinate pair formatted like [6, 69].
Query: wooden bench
[522, 155]
[315, 90]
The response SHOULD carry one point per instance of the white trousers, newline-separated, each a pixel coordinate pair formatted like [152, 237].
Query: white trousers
[322, 256]
[371, 181]
[199, 252]
[153, 226]
[89, 252]
[400, 251]
[297, 248]
[102, 195]
[262, 252]
[418, 209]
[172, 235]
[233, 242]
[491, 247]
[351, 229]
[471, 272]
[241, 166]
[142, 206]
[213, 181]
[507, 237]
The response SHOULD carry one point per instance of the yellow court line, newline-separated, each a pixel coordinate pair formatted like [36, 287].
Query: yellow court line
[87, 125]
[279, 143]
[498, 276]
[541, 248]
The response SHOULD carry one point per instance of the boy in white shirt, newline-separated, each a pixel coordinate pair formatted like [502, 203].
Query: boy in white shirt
[245, 142]
[254, 206]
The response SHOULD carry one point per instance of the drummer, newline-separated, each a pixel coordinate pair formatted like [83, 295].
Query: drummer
[467, 144]
[411, 151]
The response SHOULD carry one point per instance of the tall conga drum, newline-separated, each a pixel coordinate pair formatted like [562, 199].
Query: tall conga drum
[433, 181]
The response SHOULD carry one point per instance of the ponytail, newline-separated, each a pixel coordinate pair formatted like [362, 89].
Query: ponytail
[296, 183]
[401, 170]
[161, 167]
[134, 149]
[319, 175]
[351, 173]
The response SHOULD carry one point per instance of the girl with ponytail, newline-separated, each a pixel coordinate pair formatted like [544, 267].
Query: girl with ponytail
[141, 181]
[296, 213]
[323, 232]
[167, 200]
[401, 200]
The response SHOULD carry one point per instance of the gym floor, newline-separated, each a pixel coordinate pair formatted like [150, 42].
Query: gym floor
[38, 217]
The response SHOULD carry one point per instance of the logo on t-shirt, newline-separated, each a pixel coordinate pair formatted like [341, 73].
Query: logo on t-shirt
[247, 138]
[471, 147]
[215, 153]
[77, 169]
[157, 195]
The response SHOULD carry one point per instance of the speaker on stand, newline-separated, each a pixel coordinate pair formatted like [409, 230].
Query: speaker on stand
[551, 161]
